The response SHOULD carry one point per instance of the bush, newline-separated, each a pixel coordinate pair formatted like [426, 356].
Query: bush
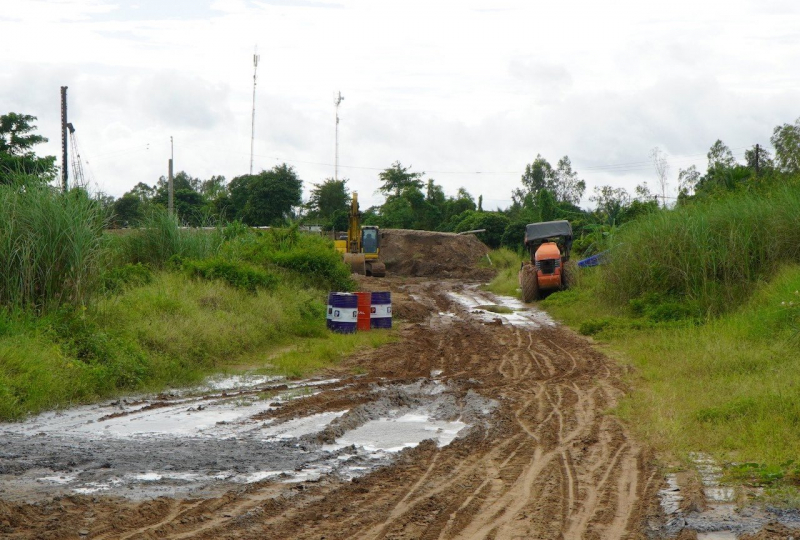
[237, 274]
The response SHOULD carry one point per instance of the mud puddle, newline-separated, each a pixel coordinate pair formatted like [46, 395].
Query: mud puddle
[719, 516]
[492, 308]
[200, 441]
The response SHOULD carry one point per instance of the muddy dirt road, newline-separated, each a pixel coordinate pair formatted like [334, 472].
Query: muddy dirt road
[473, 425]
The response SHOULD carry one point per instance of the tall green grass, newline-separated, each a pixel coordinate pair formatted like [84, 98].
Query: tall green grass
[51, 247]
[159, 238]
[709, 254]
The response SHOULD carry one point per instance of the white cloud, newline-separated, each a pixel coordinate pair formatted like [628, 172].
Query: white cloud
[445, 85]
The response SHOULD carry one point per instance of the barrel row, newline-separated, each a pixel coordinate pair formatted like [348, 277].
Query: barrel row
[362, 311]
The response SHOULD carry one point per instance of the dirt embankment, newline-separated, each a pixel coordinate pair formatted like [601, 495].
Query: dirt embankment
[435, 254]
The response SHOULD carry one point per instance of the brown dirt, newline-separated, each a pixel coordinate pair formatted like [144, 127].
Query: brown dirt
[773, 531]
[553, 463]
[426, 253]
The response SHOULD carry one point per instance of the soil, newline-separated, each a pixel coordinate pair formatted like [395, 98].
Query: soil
[524, 447]
[425, 253]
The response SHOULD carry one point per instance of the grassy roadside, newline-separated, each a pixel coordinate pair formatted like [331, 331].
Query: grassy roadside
[171, 332]
[728, 386]
[87, 315]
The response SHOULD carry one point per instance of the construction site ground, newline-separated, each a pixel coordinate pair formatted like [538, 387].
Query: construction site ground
[478, 422]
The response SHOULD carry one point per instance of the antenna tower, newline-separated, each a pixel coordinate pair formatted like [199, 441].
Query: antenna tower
[256, 58]
[336, 101]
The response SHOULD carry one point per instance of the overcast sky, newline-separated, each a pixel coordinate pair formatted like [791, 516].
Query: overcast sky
[448, 87]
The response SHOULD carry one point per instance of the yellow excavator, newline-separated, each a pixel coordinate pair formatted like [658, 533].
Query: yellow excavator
[362, 248]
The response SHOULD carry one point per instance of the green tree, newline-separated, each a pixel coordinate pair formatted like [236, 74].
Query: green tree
[719, 155]
[687, 181]
[494, 224]
[611, 202]
[17, 158]
[760, 159]
[398, 178]
[328, 198]
[144, 192]
[266, 198]
[562, 182]
[213, 187]
[567, 187]
[538, 175]
[786, 141]
[127, 211]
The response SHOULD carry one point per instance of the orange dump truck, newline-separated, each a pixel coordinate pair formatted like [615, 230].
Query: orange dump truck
[548, 244]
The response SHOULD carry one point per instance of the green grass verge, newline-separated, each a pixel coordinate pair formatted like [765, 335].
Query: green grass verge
[728, 386]
[171, 331]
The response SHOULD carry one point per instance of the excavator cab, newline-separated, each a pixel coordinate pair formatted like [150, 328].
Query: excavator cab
[370, 239]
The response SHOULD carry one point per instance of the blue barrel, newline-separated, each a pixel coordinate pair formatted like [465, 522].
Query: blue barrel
[342, 312]
[381, 311]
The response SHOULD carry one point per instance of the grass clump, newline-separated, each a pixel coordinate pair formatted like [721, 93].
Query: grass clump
[159, 238]
[51, 247]
[710, 254]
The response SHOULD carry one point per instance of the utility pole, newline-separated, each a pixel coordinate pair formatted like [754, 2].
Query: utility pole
[336, 101]
[256, 58]
[171, 186]
[64, 167]
[758, 165]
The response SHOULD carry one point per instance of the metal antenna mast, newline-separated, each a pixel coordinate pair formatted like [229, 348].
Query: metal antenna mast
[336, 101]
[256, 57]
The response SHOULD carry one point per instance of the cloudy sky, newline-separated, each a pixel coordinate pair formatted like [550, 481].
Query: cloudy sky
[467, 91]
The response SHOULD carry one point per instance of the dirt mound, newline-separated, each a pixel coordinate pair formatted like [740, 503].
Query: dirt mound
[427, 253]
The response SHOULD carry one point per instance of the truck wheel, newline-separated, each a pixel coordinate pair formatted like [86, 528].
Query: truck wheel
[568, 271]
[529, 283]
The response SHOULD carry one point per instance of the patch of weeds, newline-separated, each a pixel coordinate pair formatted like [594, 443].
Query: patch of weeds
[237, 274]
[563, 298]
[658, 307]
[759, 474]
[592, 327]
[727, 412]
[127, 275]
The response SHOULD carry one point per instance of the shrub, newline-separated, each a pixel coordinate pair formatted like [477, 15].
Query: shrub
[237, 274]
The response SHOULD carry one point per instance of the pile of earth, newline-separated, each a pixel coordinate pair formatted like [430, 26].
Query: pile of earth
[438, 254]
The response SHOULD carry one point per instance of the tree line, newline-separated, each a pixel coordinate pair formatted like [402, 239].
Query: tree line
[412, 201]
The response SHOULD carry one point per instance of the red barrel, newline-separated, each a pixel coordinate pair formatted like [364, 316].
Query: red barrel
[364, 315]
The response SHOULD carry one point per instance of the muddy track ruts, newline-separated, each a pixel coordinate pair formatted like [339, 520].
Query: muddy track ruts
[551, 464]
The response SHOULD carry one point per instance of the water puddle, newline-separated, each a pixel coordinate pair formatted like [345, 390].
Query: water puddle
[193, 440]
[492, 308]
